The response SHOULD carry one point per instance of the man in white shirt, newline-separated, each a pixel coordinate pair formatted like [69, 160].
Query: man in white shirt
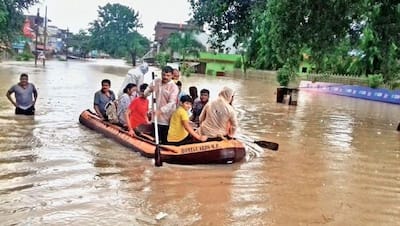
[135, 76]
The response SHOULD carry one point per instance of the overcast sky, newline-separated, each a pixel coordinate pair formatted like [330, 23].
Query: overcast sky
[77, 14]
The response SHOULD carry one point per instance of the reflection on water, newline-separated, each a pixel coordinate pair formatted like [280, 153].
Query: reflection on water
[338, 161]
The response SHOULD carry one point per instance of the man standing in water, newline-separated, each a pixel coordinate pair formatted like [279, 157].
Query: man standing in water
[25, 96]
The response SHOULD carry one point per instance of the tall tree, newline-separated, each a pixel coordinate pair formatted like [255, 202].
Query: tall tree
[383, 24]
[11, 18]
[184, 43]
[81, 43]
[226, 18]
[115, 32]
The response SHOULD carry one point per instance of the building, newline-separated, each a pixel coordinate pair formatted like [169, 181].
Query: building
[217, 63]
[164, 30]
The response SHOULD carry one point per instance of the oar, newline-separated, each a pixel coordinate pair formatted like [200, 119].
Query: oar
[157, 154]
[267, 144]
[262, 143]
[398, 127]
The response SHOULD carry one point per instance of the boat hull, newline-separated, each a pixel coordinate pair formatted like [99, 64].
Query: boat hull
[214, 152]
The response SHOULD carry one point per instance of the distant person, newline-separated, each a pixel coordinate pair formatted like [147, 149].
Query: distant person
[124, 102]
[175, 75]
[41, 56]
[180, 131]
[136, 114]
[102, 97]
[25, 96]
[181, 93]
[199, 104]
[135, 76]
[166, 93]
[218, 118]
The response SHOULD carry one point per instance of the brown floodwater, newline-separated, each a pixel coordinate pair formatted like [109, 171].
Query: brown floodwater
[338, 162]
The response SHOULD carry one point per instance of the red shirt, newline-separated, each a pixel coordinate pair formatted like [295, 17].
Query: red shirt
[139, 108]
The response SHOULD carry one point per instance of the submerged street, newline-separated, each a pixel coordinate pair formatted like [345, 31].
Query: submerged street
[337, 164]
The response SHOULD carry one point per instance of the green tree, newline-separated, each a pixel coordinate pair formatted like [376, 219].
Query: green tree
[81, 43]
[383, 22]
[185, 44]
[226, 18]
[11, 18]
[115, 33]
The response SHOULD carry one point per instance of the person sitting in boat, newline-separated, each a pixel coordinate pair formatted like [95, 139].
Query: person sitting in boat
[193, 93]
[199, 104]
[102, 97]
[181, 93]
[175, 75]
[136, 114]
[166, 93]
[218, 118]
[180, 131]
[135, 76]
[124, 101]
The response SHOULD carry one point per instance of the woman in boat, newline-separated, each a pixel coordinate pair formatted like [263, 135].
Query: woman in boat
[123, 102]
[136, 114]
[180, 131]
[218, 118]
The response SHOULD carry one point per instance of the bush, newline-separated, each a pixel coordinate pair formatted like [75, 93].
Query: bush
[284, 75]
[238, 63]
[374, 81]
[24, 56]
[186, 70]
[162, 59]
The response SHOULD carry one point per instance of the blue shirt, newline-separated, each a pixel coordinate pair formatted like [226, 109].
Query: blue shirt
[100, 99]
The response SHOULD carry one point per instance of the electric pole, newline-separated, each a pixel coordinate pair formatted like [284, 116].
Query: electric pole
[36, 34]
[66, 45]
[45, 38]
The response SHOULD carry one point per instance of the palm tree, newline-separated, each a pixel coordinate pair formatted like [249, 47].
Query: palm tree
[185, 44]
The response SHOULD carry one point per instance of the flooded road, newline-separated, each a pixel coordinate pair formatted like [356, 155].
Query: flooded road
[338, 162]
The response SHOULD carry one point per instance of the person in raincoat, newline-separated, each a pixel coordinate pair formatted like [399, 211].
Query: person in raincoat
[135, 76]
[218, 118]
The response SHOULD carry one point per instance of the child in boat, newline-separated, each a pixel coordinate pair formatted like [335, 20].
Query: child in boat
[198, 105]
[136, 114]
[180, 131]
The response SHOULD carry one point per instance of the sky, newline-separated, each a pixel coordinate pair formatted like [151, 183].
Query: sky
[77, 14]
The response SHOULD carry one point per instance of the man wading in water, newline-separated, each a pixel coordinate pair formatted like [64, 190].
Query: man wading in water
[25, 96]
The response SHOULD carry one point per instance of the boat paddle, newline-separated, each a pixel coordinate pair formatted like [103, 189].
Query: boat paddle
[262, 143]
[267, 144]
[157, 154]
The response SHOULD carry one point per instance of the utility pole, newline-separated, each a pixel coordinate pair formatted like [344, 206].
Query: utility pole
[36, 34]
[45, 38]
[66, 45]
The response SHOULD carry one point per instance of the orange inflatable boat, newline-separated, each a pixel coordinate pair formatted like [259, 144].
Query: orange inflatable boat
[224, 151]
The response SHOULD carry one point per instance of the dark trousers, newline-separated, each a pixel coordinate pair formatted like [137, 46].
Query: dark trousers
[187, 140]
[29, 111]
[162, 133]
